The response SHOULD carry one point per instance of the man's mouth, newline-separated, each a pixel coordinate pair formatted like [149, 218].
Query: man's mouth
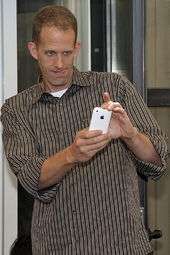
[58, 72]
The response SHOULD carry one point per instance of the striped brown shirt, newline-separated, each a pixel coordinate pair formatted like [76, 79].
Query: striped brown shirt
[94, 209]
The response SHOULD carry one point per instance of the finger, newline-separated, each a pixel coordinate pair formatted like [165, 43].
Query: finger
[107, 105]
[106, 97]
[96, 147]
[115, 106]
[118, 110]
[96, 140]
[119, 116]
[86, 134]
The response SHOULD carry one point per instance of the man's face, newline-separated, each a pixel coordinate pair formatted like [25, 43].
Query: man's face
[55, 53]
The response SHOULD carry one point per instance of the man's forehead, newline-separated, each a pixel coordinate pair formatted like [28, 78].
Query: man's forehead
[57, 29]
[53, 32]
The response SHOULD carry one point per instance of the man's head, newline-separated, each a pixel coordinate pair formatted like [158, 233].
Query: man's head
[53, 15]
[55, 45]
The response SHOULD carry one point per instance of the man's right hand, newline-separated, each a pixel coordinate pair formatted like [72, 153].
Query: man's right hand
[86, 144]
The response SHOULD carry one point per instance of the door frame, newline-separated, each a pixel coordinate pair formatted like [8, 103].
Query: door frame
[8, 81]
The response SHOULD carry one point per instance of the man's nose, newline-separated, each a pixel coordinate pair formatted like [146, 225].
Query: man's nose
[58, 62]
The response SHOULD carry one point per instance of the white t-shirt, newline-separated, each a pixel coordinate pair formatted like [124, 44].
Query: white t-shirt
[58, 93]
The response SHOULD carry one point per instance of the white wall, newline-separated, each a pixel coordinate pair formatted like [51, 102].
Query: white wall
[8, 87]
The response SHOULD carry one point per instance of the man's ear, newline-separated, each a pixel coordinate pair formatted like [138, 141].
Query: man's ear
[77, 48]
[32, 47]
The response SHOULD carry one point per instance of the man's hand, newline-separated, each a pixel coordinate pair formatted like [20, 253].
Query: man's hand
[86, 145]
[120, 124]
[121, 127]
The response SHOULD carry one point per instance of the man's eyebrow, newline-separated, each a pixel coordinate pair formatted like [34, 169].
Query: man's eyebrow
[50, 50]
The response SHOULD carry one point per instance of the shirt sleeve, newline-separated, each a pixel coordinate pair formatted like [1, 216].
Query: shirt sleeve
[23, 155]
[144, 121]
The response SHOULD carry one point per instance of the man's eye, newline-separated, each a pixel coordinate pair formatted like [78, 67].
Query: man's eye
[67, 53]
[50, 53]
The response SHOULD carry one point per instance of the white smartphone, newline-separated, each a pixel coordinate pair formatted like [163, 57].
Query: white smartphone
[100, 119]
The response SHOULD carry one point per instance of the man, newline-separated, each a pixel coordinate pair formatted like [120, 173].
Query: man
[84, 182]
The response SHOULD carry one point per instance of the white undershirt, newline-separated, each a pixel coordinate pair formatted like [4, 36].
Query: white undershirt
[58, 93]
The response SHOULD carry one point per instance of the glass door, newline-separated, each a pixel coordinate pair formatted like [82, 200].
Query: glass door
[117, 47]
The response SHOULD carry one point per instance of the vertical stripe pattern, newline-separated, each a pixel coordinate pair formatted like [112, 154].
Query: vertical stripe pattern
[95, 208]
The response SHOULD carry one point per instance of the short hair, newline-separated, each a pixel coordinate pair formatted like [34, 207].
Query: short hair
[53, 15]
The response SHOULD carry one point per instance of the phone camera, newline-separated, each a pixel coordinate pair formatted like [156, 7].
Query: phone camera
[102, 117]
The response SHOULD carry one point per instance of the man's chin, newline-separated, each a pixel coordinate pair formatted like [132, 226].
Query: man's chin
[60, 83]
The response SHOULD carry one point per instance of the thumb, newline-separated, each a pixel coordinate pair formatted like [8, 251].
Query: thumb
[106, 97]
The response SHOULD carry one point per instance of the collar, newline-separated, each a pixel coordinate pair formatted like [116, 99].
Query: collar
[78, 79]
[81, 78]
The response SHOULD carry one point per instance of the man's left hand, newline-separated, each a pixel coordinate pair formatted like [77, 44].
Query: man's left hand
[120, 124]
